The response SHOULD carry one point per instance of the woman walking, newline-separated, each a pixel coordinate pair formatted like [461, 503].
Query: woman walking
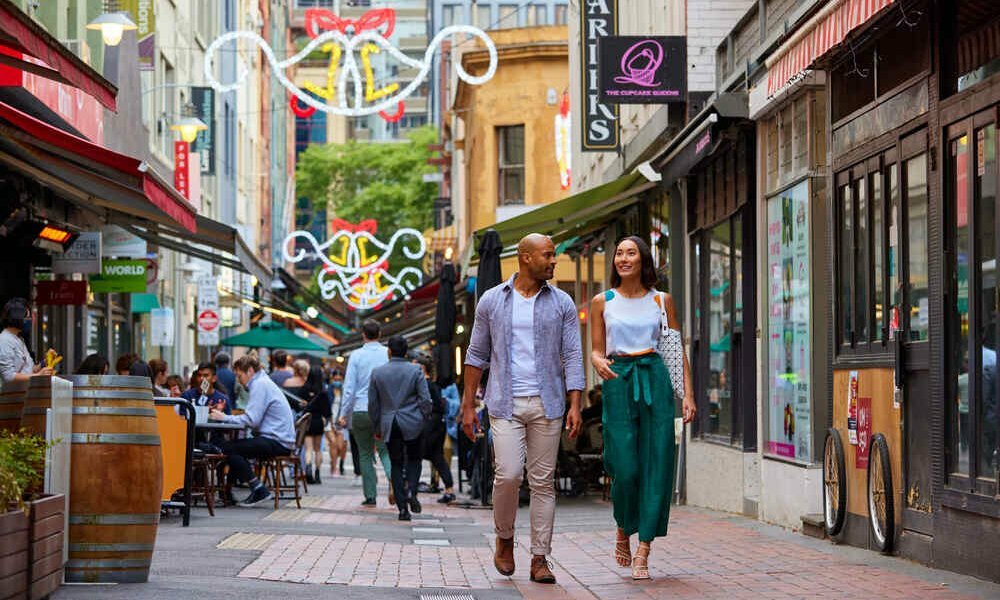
[638, 400]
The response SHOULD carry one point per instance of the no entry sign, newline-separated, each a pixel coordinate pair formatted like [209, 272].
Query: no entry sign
[208, 328]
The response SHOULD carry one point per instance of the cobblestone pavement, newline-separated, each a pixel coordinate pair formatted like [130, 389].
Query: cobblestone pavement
[332, 547]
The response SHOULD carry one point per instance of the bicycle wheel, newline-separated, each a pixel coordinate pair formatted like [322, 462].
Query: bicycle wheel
[834, 484]
[881, 510]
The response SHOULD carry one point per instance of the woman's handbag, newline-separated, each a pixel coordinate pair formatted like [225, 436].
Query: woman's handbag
[671, 350]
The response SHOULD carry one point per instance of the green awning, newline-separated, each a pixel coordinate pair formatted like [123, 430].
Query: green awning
[273, 336]
[143, 303]
[572, 216]
[563, 245]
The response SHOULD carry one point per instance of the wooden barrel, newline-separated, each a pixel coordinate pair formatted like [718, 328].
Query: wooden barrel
[37, 401]
[114, 502]
[11, 403]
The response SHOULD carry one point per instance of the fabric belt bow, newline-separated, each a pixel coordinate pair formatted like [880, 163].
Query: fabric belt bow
[638, 370]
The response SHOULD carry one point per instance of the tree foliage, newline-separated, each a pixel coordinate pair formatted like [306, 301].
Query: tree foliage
[363, 180]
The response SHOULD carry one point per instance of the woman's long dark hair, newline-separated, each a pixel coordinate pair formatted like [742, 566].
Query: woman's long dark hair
[648, 274]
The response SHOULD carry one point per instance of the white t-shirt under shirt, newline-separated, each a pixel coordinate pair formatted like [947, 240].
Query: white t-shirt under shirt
[523, 374]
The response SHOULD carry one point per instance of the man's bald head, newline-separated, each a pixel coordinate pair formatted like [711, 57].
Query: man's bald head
[536, 256]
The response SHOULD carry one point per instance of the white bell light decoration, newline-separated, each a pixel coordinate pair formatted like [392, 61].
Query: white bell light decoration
[112, 26]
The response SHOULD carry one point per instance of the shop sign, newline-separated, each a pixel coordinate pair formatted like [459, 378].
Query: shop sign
[181, 167]
[208, 328]
[643, 70]
[84, 256]
[120, 276]
[144, 15]
[161, 326]
[864, 433]
[118, 242]
[598, 19]
[852, 408]
[203, 99]
[63, 292]
[789, 430]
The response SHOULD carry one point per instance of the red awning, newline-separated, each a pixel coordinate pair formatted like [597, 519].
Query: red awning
[827, 29]
[20, 33]
[161, 195]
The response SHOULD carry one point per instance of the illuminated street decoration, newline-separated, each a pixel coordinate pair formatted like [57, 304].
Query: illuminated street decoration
[356, 263]
[347, 41]
[563, 148]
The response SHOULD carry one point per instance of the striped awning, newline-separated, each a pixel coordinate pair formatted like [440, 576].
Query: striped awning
[824, 31]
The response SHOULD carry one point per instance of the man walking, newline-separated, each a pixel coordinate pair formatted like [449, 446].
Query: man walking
[354, 409]
[527, 332]
[399, 404]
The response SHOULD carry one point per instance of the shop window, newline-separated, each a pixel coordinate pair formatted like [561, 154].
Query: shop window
[853, 84]
[788, 429]
[871, 308]
[971, 182]
[785, 138]
[659, 235]
[977, 27]
[511, 165]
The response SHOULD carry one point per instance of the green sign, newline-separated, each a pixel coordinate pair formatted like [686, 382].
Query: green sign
[120, 276]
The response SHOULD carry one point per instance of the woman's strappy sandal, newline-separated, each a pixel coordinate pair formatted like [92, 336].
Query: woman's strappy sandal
[623, 552]
[640, 570]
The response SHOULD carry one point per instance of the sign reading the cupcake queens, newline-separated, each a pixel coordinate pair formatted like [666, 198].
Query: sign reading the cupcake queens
[643, 70]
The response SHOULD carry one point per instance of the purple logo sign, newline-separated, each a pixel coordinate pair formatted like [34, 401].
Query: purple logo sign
[640, 63]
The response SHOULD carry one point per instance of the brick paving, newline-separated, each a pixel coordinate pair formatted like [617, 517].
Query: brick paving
[706, 555]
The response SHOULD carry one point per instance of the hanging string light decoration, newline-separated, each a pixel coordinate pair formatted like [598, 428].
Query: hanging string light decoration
[351, 44]
[355, 263]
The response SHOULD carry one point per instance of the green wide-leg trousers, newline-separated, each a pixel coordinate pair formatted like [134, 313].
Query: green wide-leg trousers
[639, 447]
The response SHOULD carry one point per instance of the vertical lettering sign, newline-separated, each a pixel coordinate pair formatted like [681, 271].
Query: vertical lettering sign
[598, 19]
[181, 175]
[203, 99]
[143, 12]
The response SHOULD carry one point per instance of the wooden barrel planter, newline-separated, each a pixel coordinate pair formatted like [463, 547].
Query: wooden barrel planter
[11, 404]
[116, 479]
[37, 400]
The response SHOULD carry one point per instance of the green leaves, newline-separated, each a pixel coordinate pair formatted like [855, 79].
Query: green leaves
[22, 466]
[382, 181]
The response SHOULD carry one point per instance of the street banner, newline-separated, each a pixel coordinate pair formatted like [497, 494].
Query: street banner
[598, 19]
[181, 167]
[62, 292]
[203, 99]
[143, 13]
[161, 326]
[84, 256]
[642, 69]
[119, 243]
[120, 276]
[864, 433]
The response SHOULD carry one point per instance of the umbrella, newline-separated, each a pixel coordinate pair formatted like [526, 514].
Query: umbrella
[489, 262]
[444, 324]
[272, 336]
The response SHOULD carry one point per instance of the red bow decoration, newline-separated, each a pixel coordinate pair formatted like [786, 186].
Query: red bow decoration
[369, 225]
[320, 19]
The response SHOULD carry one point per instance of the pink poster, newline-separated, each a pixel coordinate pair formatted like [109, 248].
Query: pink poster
[864, 433]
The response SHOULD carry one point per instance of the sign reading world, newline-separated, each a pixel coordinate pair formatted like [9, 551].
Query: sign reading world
[643, 70]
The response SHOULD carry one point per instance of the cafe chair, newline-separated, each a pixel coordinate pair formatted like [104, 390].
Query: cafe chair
[205, 479]
[283, 485]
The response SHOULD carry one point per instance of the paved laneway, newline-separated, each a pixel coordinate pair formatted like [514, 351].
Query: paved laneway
[331, 547]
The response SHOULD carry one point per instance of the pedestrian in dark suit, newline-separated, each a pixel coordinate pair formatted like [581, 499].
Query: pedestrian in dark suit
[399, 404]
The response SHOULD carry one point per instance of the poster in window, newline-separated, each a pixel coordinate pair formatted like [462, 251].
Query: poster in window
[789, 431]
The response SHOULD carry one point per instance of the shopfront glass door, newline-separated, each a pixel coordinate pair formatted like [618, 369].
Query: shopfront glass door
[973, 418]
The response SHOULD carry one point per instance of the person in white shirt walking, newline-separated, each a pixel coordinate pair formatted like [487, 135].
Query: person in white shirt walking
[354, 409]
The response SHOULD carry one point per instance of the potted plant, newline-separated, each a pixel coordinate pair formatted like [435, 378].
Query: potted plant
[31, 523]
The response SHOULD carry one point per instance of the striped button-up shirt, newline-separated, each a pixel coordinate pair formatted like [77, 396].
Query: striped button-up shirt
[558, 352]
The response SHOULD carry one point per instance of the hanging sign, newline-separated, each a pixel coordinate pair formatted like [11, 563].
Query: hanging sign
[203, 99]
[120, 276]
[598, 19]
[144, 14]
[161, 326]
[181, 174]
[355, 264]
[352, 88]
[643, 70]
[84, 256]
[121, 243]
[564, 146]
[62, 292]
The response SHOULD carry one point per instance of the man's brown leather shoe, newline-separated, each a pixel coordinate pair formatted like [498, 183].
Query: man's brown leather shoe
[503, 557]
[540, 571]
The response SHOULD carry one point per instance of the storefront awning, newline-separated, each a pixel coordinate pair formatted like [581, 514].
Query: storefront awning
[89, 171]
[573, 215]
[20, 35]
[700, 137]
[825, 30]
[210, 236]
[143, 303]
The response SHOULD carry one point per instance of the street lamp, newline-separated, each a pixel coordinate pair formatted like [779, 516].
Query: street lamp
[189, 125]
[112, 25]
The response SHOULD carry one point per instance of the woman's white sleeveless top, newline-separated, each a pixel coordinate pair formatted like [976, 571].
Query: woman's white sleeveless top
[631, 325]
